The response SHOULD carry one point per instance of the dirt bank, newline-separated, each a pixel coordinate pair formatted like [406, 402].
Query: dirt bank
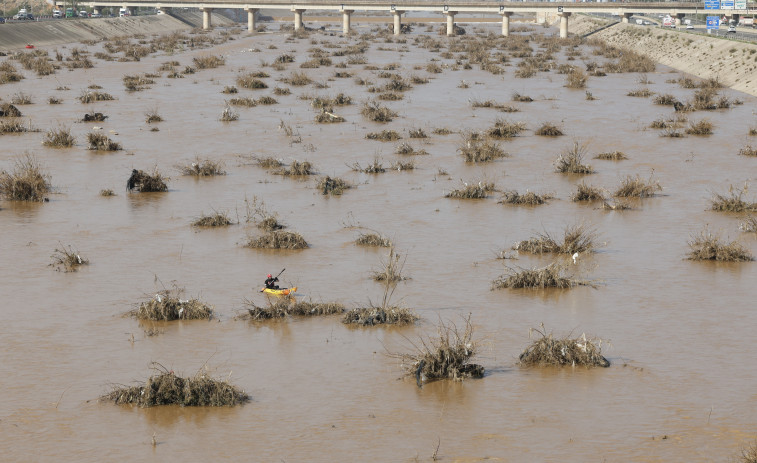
[15, 36]
[732, 62]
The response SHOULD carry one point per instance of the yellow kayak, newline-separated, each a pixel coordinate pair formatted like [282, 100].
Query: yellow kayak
[280, 291]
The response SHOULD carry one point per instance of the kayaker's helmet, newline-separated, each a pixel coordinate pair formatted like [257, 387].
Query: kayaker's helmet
[269, 275]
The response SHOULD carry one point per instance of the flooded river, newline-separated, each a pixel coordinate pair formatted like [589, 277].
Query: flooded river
[678, 332]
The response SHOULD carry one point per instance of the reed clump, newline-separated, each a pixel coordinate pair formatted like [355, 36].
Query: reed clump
[9, 110]
[92, 96]
[553, 275]
[748, 151]
[548, 129]
[94, 117]
[384, 135]
[749, 225]
[296, 168]
[529, 198]
[548, 350]
[168, 305]
[586, 192]
[571, 160]
[576, 239]
[278, 239]
[635, 186]
[504, 129]
[249, 81]
[67, 259]
[166, 388]
[219, 219]
[327, 117]
[376, 112]
[229, 115]
[101, 142]
[370, 316]
[27, 182]
[144, 182]
[703, 127]
[59, 138]
[448, 356]
[203, 168]
[373, 168]
[478, 148]
[332, 186]
[208, 62]
[612, 156]
[707, 246]
[284, 307]
[268, 162]
[373, 239]
[734, 201]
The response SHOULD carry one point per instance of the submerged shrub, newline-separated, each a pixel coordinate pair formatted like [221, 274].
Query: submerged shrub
[278, 239]
[552, 276]
[59, 138]
[548, 129]
[635, 186]
[706, 246]
[27, 182]
[550, 351]
[571, 161]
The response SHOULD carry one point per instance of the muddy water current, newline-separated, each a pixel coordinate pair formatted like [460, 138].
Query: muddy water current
[679, 333]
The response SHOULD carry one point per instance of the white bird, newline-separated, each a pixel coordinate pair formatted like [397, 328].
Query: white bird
[97, 128]
[181, 311]
[575, 256]
[78, 258]
[158, 298]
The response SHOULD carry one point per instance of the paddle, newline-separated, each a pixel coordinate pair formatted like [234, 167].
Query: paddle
[277, 276]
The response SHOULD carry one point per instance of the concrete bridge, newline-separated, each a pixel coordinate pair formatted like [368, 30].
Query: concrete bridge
[448, 8]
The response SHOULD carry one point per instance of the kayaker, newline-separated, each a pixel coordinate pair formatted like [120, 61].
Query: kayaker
[270, 282]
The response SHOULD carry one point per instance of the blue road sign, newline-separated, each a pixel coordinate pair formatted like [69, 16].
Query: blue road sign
[713, 22]
[711, 4]
[727, 5]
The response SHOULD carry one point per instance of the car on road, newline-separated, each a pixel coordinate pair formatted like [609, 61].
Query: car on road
[22, 15]
[731, 30]
[689, 26]
[95, 15]
[57, 14]
[83, 14]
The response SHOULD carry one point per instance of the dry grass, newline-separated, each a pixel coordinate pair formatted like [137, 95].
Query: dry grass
[21, 98]
[504, 129]
[472, 190]
[612, 156]
[373, 239]
[408, 150]
[251, 82]
[278, 239]
[9, 110]
[153, 116]
[550, 351]
[284, 307]
[703, 127]
[391, 268]
[576, 79]
[100, 142]
[370, 316]
[734, 201]
[384, 135]
[576, 239]
[94, 117]
[529, 198]
[376, 112]
[168, 305]
[268, 162]
[374, 168]
[749, 225]
[203, 168]
[229, 115]
[521, 98]
[616, 205]
[637, 187]
[296, 168]
[107, 192]
[640, 92]
[749, 454]
[332, 186]
[554, 275]
[748, 151]
[247, 102]
[446, 357]
[13, 125]
[326, 117]
[67, 259]
[399, 166]
[208, 62]
[706, 246]
[166, 388]
[92, 96]
[548, 129]
[27, 182]
[219, 219]
[298, 79]
[144, 182]
[586, 192]
[571, 160]
[59, 138]
[478, 148]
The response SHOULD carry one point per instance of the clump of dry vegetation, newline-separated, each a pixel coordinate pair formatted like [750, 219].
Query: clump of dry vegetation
[166, 388]
[703, 127]
[707, 246]
[144, 182]
[384, 135]
[283, 307]
[548, 129]
[327, 117]
[168, 305]
[504, 129]
[219, 219]
[576, 239]
[100, 142]
[611, 156]
[373, 239]
[734, 201]
[27, 181]
[635, 186]
[92, 96]
[8, 110]
[748, 151]
[153, 116]
[296, 168]
[553, 275]
[476, 147]
[278, 239]
[67, 259]
[529, 198]
[749, 225]
[448, 356]
[370, 316]
[209, 61]
[472, 190]
[586, 192]
[373, 168]
[229, 115]
[332, 186]
[571, 160]
[251, 82]
[94, 117]
[550, 351]
[376, 112]
[203, 168]
[59, 138]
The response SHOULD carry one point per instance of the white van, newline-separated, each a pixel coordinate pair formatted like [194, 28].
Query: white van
[123, 12]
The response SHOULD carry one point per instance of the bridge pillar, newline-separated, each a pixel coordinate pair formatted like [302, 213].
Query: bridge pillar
[451, 22]
[96, 9]
[397, 22]
[563, 24]
[346, 21]
[206, 18]
[506, 23]
[251, 19]
[298, 19]
[627, 17]
[679, 18]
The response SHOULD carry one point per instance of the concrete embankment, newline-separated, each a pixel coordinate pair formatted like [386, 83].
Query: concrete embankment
[733, 63]
[15, 36]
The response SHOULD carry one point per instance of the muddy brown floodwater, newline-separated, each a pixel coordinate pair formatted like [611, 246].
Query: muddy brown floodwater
[679, 334]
